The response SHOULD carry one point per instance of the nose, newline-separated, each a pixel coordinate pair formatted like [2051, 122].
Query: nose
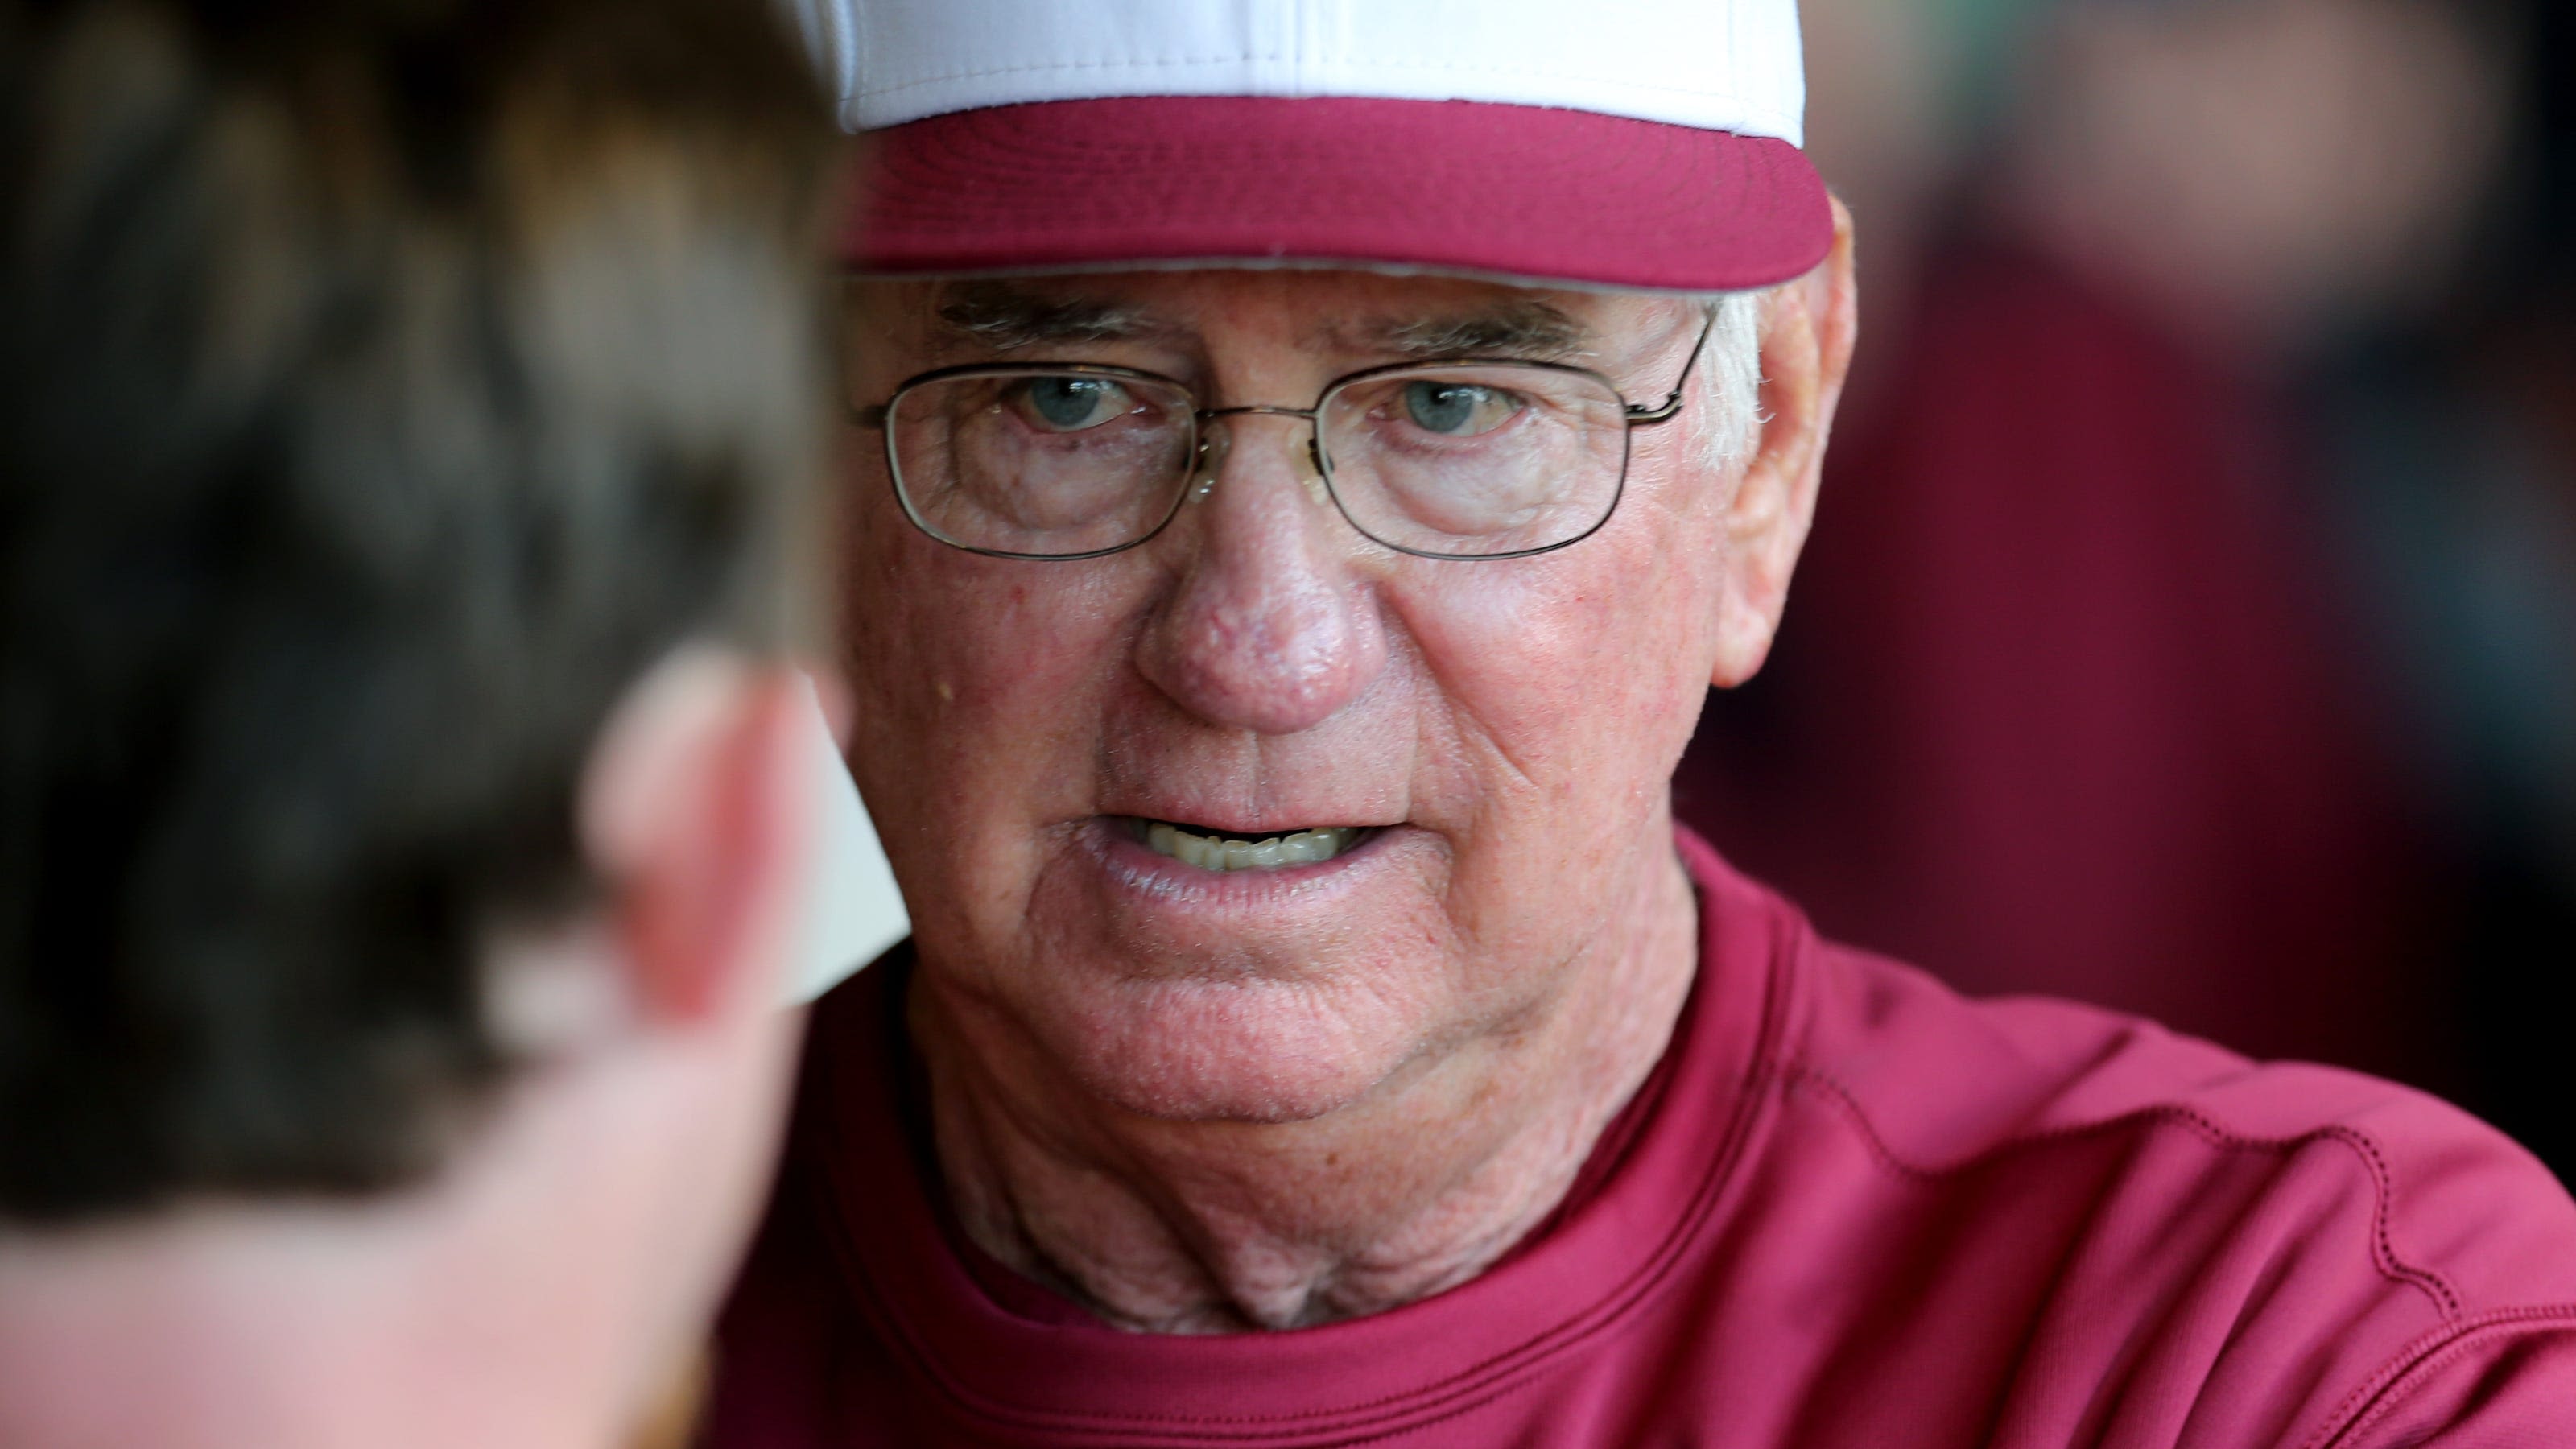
[1268, 629]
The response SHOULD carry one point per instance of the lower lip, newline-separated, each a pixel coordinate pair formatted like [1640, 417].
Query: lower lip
[1142, 869]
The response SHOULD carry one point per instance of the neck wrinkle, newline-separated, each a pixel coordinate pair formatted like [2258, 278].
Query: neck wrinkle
[1194, 1241]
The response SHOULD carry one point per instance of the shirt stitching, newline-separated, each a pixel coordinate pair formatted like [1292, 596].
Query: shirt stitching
[1388, 1416]
[2387, 1387]
[2384, 1255]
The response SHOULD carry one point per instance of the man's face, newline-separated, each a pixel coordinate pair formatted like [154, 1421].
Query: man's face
[1500, 734]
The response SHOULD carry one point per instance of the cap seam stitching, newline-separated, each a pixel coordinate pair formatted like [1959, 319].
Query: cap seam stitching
[1168, 62]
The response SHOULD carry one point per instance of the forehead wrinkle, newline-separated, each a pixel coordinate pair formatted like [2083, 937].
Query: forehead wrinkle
[1520, 328]
[1004, 317]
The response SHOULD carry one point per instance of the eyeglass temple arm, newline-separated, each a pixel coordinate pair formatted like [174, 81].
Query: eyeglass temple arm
[1640, 416]
[869, 417]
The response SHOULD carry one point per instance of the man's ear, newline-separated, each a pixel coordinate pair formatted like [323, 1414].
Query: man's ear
[1808, 328]
[697, 815]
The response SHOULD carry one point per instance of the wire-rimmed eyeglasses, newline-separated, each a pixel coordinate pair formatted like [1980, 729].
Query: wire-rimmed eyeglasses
[1455, 458]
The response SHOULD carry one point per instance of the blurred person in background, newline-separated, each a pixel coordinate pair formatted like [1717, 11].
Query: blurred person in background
[1310, 462]
[408, 423]
[2083, 694]
[2445, 424]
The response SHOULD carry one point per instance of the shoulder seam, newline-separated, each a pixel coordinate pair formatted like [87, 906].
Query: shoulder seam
[2388, 1385]
[2384, 1256]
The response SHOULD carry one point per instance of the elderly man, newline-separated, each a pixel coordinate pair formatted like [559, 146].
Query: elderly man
[1310, 462]
[409, 415]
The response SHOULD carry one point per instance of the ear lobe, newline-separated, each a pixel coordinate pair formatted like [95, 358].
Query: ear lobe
[1809, 328]
[694, 813]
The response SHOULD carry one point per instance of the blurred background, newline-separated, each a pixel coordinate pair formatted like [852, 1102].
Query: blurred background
[2190, 624]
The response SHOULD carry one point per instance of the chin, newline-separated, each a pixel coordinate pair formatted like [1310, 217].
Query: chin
[1276, 1005]
[1246, 1049]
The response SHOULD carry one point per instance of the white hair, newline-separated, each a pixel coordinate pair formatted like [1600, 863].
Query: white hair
[1730, 379]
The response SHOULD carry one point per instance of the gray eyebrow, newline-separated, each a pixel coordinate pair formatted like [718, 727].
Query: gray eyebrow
[1005, 318]
[1523, 329]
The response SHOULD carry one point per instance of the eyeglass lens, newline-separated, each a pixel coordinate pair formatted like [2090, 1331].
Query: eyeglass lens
[1469, 462]
[1464, 461]
[1041, 464]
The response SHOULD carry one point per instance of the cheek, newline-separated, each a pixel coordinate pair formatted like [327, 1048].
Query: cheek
[1583, 671]
[966, 726]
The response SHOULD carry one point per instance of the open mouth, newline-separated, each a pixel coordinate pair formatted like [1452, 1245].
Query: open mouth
[1215, 850]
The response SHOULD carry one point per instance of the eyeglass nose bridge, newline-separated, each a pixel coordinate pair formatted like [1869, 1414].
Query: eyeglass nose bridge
[1208, 414]
[1211, 454]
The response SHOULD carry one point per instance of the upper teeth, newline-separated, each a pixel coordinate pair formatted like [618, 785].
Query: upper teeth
[1212, 852]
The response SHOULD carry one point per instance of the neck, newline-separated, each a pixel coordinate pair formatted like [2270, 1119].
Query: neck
[277, 1327]
[1213, 1227]
[500, 1304]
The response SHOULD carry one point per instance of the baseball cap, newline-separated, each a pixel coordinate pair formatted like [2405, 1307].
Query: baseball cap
[1649, 144]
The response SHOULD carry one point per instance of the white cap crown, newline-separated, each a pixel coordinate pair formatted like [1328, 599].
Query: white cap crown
[1721, 65]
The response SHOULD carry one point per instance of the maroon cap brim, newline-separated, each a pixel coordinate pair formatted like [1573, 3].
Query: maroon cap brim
[1525, 193]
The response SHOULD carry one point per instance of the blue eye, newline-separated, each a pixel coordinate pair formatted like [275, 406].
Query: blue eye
[1069, 404]
[1457, 409]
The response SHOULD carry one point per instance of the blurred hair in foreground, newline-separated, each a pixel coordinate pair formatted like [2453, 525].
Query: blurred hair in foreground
[384, 387]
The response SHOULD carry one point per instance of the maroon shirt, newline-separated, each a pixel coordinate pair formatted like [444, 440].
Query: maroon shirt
[1849, 1208]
